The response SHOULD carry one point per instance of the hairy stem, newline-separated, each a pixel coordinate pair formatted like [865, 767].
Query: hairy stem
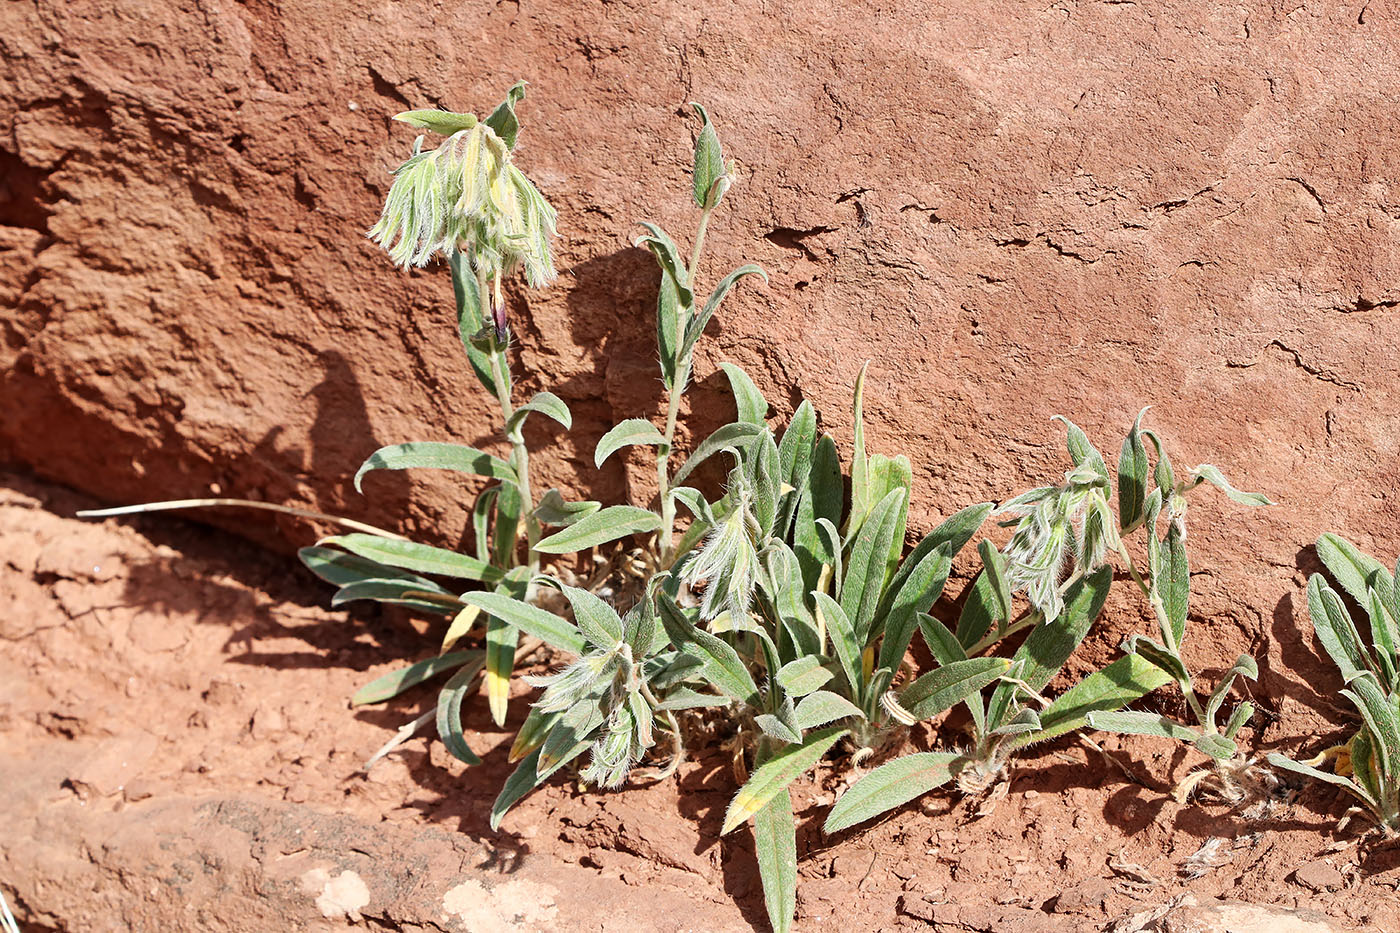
[673, 407]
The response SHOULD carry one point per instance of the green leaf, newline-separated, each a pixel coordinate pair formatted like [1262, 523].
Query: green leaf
[435, 456]
[795, 449]
[803, 676]
[978, 609]
[503, 120]
[1154, 653]
[392, 684]
[752, 406]
[916, 593]
[668, 329]
[822, 499]
[1382, 721]
[944, 687]
[547, 404]
[1129, 722]
[598, 621]
[775, 844]
[634, 432]
[1242, 714]
[532, 733]
[693, 500]
[868, 566]
[1349, 565]
[995, 567]
[338, 568]
[700, 321]
[822, 707]
[843, 640]
[1244, 666]
[442, 122]
[483, 511]
[1216, 746]
[685, 698]
[775, 728]
[553, 510]
[449, 711]
[1172, 580]
[422, 558]
[731, 435]
[723, 667]
[431, 598]
[860, 467]
[616, 521]
[1050, 644]
[1125, 681]
[521, 781]
[546, 626]
[1209, 474]
[709, 159]
[668, 256]
[1132, 477]
[470, 319]
[506, 531]
[1335, 629]
[775, 774]
[1297, 767]
[942, 644]
[891, 785]
[1082, 451]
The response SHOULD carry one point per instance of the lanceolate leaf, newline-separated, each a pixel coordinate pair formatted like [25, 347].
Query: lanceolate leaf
[396, 592]
[774, 775]
[775, 844]
[668, 329]
[916, 593]
[338, 568]
[843, 640]
[1209, 474]
[634, 432]
[1174, 583]
[1081, 451]
[532, 620]
[470, 319]
[1130, 722]
[503, 120]
[449, 712]
[723, 667]
[435, 456]
[391, 685]
[598, 621]
[864, 582]
[1349, 565]
[822, 707]
[891, 785]
[1125, 681]
[753, 407]
[731, 435]
[803, 675]
[709, 158]
[609, 524]
[668, 256]
[1335, 629]
[942, 688]
[1047, 648]
[547, 404]
[700, 321]
[409, 555]
[553, 510]
[1132, 477]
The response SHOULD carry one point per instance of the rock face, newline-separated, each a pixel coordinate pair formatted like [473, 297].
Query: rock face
[1014, 212]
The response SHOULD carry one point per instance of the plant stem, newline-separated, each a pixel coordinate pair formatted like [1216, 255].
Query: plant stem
[673, 405]
[1168, 634]
[519, 454]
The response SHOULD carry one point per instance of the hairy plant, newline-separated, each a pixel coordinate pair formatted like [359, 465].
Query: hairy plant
[1367, 765]
[1058, 558]
[1166, 584]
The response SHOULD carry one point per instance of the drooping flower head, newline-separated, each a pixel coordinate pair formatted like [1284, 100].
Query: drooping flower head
[468, 195]
[1057, 522]
[729, 563]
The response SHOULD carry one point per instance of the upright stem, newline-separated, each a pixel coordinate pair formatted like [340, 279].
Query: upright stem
[519, 453]
[1168, 634]
[673, 405]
